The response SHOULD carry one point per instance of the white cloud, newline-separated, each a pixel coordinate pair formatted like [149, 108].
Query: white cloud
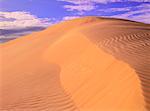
[16, 24]
[142, 14]
[84, 7]
[88, 5]
[89, 1]
[144, 17]
[79, 5]
[69, 17]
[137, 13]
[140, 8]
[21, 20]
[115, 9]
[100, 1]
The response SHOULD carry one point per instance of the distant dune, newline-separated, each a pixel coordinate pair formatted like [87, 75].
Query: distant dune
[86, 64]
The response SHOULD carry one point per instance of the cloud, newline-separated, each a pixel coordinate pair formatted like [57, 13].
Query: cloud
[10, 34]
[79, 5]
[69, 17]
[88, 5]
[16, 24]
[21, 19]
[141, 17]
[84, 7]
[141, 14]
[14, 32]
[115, 9]
[138, 12]
[100, 1]
[79, 2]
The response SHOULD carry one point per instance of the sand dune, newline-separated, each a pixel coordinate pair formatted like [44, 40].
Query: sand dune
[86, 64]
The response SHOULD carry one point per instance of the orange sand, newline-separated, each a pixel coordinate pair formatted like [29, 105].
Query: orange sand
[86, 64]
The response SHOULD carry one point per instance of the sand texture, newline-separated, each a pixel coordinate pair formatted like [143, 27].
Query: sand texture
[86, 64]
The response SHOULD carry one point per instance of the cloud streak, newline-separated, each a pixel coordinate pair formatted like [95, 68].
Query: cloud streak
[140, 12]
[70, 17]
[21, 19]
[16, 24]
[88, 5]
[84, 7]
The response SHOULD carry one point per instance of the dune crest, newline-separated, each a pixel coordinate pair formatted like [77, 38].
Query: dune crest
[86, 64]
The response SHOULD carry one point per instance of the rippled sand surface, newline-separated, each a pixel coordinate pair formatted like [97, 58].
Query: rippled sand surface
[86, 64]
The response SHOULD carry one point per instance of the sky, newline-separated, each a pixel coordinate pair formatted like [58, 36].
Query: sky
[19, 17]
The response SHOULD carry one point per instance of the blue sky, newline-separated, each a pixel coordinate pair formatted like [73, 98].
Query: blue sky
[57, 10]
[42, 13]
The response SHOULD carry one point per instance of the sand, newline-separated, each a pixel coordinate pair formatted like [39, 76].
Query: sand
[85, 64]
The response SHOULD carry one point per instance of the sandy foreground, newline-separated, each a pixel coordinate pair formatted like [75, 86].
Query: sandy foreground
[86, 64]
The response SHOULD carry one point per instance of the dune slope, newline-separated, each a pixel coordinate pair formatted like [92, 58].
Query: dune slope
[86, 64]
